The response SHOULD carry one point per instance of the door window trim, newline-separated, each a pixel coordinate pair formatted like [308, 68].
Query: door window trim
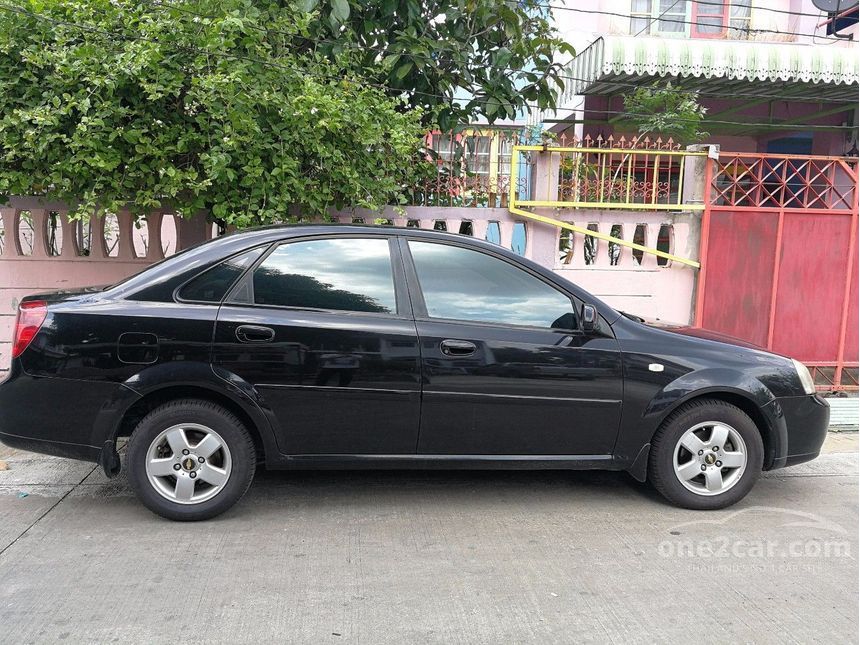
[401, 294]
[419, 305]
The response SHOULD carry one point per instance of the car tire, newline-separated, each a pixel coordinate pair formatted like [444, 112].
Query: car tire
[190, 460]
[706, 455]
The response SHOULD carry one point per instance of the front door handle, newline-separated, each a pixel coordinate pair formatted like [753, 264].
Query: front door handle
[254, 334]
[458, 347]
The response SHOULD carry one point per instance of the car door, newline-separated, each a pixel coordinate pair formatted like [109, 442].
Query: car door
[505, 367]
[322, 328]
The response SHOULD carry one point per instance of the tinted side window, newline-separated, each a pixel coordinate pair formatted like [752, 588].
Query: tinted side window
[212, 285]
[463, 284]
[347, 274]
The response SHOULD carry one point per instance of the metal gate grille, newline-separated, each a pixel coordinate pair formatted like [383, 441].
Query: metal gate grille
[779, 258]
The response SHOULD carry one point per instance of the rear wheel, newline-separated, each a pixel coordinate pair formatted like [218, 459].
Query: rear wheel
[190, 460]
[707, 455]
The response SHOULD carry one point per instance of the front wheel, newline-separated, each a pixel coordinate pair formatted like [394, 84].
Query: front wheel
[707, 455]
[190, 460]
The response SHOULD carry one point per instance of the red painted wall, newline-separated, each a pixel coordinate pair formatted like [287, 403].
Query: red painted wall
[811, 286]
[741, 248]
[851, 353]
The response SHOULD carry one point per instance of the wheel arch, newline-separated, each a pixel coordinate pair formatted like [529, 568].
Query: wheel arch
[164, 382]
[148, 402]
[768, 427]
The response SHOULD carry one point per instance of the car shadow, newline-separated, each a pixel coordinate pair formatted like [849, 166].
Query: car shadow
[460, 487]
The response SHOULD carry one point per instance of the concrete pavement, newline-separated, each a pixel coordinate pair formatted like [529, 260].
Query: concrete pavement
[436, 557]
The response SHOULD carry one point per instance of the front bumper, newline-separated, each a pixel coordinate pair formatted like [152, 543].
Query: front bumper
[801, 428]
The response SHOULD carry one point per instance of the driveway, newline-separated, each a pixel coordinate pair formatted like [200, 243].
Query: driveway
[437, 557]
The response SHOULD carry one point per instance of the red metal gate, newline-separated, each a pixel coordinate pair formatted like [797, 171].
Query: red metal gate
[779, 258]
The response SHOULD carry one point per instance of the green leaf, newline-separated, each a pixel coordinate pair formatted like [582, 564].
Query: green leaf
[403, 70]
[503, 57]
[248, 123]
[340, 10]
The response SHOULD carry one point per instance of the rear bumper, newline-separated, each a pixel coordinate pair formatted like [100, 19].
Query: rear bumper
[56, 416]
[51, 447]
[802, 423]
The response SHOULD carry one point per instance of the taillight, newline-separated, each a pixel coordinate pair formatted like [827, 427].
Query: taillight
[31, 315]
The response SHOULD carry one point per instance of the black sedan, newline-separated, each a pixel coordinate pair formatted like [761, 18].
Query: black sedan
[376, 347]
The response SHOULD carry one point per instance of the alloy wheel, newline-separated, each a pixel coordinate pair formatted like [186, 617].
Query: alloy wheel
[188, 463]
[710, 458]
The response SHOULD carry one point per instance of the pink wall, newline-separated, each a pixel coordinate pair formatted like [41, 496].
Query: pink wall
[648, 289]
[29, 263]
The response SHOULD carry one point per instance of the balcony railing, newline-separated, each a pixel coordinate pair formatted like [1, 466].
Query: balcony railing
[474, 169]
[629, 174]
[471, 168]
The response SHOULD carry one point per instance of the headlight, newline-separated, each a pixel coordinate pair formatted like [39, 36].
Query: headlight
[805, 377]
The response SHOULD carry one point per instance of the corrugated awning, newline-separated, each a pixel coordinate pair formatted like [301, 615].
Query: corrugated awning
[829, 73]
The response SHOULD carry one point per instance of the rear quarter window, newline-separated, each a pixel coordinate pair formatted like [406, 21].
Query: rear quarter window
[213, 284]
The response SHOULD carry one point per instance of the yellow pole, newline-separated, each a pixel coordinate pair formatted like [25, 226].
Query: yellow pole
[655, 180]
[629, 176]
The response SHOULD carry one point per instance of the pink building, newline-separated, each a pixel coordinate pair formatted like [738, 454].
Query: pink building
[776, 76]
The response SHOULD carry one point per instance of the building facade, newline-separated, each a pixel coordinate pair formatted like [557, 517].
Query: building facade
[775, 76]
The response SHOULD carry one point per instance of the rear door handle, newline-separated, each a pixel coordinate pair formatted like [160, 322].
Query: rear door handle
[458, 347]
[254, 334]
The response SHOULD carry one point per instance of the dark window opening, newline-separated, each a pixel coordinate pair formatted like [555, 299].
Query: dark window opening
[664, 243]
[843, 20]
[639, 238]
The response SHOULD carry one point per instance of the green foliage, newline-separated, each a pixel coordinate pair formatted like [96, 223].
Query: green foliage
[114, 102]
[246, 108]
[500, 52]
[666, 111]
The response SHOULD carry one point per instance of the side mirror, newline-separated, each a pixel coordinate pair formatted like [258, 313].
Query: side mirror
[588, 317]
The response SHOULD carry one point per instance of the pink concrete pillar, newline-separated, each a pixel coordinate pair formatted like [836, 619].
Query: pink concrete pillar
[542, 243]
[39, 217]
[98, 244]
[546, 177]
[67, 227]
[479, 229]
[693, 190]
[625, 259]
[190, 230]
[506, 230]
[153, 232]
[652, 230]
[125, 243]
[601, 255]
[9, 248]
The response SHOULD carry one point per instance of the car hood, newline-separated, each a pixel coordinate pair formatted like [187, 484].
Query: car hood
[699, 332]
